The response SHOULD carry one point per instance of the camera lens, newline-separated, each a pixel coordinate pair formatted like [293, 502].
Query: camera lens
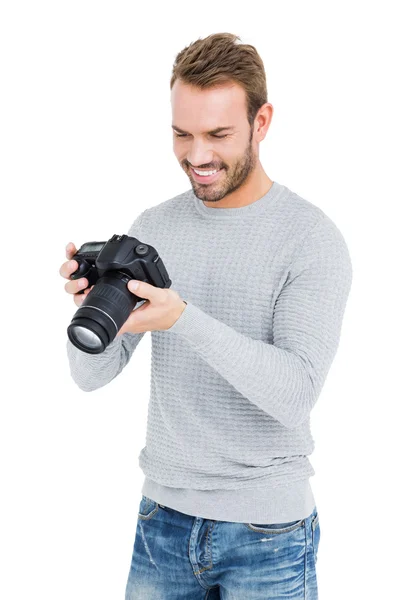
[102, 313]
[87, 338]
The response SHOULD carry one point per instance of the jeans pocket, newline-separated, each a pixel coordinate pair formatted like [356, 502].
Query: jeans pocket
[316, 534]
[147, 508]
[275, 528]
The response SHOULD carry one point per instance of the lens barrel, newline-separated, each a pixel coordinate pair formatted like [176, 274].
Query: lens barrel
[102, 314]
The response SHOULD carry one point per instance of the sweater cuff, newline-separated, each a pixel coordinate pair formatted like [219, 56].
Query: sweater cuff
[195, 325]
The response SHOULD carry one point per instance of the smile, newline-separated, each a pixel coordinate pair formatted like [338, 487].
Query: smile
[207, 177]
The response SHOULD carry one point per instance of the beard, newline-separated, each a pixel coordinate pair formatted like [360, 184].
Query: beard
[227, 183]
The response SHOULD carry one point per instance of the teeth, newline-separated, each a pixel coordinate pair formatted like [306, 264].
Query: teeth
[205, 173]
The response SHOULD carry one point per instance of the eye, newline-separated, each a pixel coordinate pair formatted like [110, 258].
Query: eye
[214, 135]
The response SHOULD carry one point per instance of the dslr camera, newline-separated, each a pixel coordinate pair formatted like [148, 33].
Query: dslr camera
[109, 266]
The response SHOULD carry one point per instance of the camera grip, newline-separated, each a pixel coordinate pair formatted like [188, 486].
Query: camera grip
[85, 269]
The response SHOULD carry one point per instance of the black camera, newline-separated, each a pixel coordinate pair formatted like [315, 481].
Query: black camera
[110, 266]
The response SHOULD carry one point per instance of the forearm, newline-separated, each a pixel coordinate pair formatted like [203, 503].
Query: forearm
[93, 371]
[275, 380]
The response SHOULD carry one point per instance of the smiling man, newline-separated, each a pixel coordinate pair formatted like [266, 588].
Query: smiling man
[221, 162]
[242, 344]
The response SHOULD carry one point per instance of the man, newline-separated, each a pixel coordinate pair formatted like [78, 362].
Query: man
[242, 343]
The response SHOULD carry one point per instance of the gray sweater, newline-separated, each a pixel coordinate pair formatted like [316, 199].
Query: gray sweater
[234, 380]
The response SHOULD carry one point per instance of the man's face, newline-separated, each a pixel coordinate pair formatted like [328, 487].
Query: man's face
[198, 113]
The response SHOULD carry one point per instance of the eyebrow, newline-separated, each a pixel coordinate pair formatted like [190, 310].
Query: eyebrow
[217, 130]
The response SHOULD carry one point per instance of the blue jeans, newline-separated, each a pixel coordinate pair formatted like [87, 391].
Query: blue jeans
[181, 557]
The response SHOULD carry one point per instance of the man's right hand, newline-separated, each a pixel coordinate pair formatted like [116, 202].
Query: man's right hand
[73, 286]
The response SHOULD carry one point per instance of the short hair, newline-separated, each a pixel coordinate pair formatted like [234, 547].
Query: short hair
[218, 59]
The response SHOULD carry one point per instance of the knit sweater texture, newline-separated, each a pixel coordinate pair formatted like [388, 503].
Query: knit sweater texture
[234, 380]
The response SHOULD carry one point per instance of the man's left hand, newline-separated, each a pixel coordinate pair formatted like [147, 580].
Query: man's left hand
[162, 308]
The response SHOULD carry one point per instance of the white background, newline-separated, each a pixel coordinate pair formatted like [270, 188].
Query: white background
[86, 145]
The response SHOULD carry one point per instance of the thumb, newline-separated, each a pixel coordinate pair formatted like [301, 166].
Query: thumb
[143, 289]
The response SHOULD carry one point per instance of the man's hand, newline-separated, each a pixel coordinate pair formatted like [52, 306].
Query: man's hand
[162, 308]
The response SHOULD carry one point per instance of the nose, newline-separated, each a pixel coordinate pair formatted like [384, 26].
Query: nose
[199, 154]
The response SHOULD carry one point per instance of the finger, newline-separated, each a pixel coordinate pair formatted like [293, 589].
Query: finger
[70, 250]
[79, 298]
[75, 285]
[67, 268]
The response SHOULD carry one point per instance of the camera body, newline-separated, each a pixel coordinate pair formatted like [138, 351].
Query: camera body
[109, 266]
[121, 253]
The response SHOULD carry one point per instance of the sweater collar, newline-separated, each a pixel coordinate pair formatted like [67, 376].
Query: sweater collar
[255, 208]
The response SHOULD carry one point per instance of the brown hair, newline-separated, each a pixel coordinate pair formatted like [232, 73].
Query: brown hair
[218, 59]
